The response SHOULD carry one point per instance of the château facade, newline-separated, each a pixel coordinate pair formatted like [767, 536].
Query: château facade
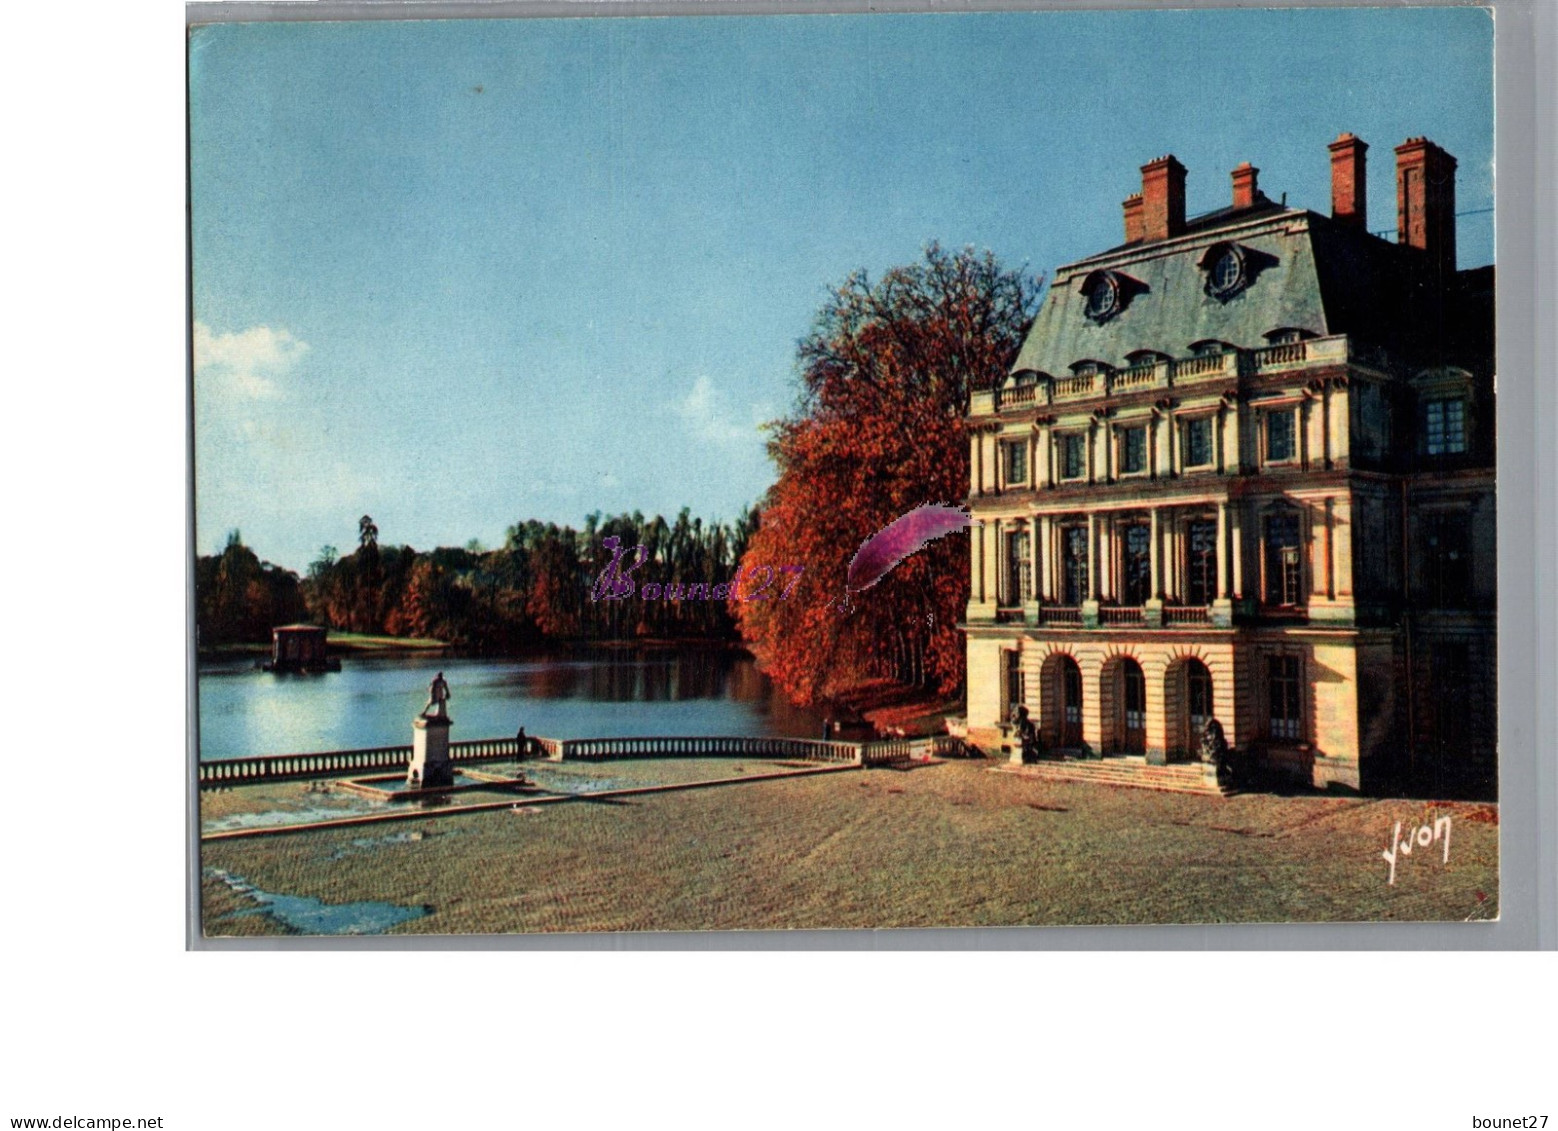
[1243, 468]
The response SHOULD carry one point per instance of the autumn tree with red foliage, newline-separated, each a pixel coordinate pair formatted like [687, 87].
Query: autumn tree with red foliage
[878, 430]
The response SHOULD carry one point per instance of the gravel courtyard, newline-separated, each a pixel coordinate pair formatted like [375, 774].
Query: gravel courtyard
[951, 844]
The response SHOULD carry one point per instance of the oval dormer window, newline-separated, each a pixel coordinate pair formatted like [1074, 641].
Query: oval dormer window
[1227, 273]
[1103, 296]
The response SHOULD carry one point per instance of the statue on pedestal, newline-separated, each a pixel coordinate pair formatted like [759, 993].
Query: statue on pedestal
[1027, 733]
[430, 765]
[437, 699]
[1214, 749]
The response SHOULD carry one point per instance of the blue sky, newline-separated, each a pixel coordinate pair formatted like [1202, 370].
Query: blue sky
[459, 274]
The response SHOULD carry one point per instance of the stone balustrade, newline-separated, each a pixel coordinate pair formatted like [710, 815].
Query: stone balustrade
[334, 763]
[328, 763]
[1233, 363]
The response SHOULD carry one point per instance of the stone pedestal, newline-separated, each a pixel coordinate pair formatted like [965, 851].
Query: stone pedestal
[430, 765]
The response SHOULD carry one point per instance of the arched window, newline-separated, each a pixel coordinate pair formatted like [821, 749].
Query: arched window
[1198, 698]
[1134, 704]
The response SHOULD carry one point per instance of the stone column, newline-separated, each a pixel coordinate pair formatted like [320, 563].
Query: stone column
[1222, 607]
[1329, 559]
[1155, 554]
[1341, 548]
[1222, 550]
[1238, 551]
[1341, 433]
[1092, 557]
[1036, 556]
[1307, 421]
[1090, 604]
[999, 580]
[1152, 611]
[1045, 558]
[976, 546]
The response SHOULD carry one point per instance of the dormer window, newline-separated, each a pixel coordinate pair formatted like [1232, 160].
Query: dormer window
[1226, 271]
[1444, 426]
[1146, 357]
[1285, 335]
[1101, 290]
[1209, 347]
[1089, 366]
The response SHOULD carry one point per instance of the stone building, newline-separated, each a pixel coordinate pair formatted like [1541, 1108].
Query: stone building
[1243, 468]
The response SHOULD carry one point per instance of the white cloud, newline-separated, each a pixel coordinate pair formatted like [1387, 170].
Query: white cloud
[246, 363]
[707, 413]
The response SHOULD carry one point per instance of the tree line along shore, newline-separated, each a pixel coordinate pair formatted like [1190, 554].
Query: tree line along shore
[879, 427]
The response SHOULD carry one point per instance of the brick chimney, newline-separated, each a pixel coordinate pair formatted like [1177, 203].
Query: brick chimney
[1245, 194]
[1135, 230]
[1349, 185]
[1425, 201]
[1163, 198]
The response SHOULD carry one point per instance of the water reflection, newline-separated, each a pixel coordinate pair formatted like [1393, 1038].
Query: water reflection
[599, 694]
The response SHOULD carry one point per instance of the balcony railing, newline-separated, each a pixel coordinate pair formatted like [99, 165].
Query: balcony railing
[1055, 614]
[1232, 363]
[1108, 617]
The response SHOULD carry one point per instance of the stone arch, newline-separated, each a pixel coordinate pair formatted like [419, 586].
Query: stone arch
[1122, 702]
[1060, 701]
[1189, 698]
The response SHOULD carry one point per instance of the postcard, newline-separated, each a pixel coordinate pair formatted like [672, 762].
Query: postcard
[876, 470]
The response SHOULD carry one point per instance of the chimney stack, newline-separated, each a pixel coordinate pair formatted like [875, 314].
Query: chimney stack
[1163, 198]
[1349, 186]
[1135, 230]
[1425, 201]
[1245, 194]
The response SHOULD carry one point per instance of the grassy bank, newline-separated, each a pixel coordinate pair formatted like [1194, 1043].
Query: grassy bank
[950, 845]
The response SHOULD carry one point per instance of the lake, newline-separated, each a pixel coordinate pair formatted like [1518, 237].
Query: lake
[599, 694]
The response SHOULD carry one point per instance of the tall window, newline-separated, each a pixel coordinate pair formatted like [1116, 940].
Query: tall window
[1281, 566]
[1201, 564]
[1071, 702]
[1198, 689]
[1135, 697]
[1016, 461]
[1019, 567]
[1073, 564]
[1444, 426]
[1133, 450]
[1198, 441]
[1281, 436]
[1073, 456]
[1136, 560]
[1284, 696]
[1447, 565]
[1016, 686]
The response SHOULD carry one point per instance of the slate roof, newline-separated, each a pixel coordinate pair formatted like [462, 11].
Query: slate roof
[1306, 272]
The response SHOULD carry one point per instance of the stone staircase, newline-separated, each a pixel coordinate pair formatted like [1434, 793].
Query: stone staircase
[1131, 773]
